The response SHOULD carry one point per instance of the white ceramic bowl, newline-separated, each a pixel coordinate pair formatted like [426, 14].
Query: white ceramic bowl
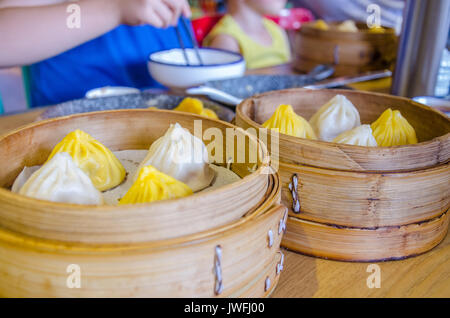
[170, 68]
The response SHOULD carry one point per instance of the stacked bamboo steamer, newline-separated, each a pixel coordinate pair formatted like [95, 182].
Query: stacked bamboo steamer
[223, 242]
[357, 203]
[351, 53]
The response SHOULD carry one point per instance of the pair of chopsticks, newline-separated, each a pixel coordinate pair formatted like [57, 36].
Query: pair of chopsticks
[192, 39]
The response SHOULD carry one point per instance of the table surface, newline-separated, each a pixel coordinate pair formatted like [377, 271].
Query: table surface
[426, 275]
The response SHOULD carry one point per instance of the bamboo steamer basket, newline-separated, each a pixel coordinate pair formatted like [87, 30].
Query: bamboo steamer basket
[190, 266]
[236, 256]
[120, 130]
[345, 200]
[351, 53]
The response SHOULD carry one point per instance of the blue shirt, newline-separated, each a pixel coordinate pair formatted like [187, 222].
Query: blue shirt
[118, 58]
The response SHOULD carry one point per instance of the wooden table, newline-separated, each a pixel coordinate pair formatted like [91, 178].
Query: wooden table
[426, 275]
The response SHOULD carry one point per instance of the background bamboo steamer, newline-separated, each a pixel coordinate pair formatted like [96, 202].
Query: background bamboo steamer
[248, 265]
[349, 206]
[351, 53]
[119, 130]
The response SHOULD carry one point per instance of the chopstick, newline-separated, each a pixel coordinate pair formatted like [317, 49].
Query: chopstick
[183, 48]
[193, 40]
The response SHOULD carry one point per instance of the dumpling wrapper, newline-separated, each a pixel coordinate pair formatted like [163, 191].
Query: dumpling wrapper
[358, 136]
[182, 156]
[335, 117]
[60, 180]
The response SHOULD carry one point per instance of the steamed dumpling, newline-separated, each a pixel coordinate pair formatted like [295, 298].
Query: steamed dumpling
[195, 106]
[60, 180]
[348, 26]
[97, 161]
[181, 155]
[321, 25]
[358, 136]
[289, 123]
[392, 129]
[153, 185]
[335, 117]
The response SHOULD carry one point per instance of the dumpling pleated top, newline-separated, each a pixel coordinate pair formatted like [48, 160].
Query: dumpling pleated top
[289, 123]
[392, 129]
[182, 156]
[60, 180]
[334, 117]
[153, 185]
[195, 106]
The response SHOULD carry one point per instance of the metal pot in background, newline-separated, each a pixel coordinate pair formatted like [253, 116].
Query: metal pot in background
[423, 39]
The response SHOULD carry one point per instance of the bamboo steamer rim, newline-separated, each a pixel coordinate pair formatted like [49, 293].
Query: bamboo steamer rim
[363, 33]
[345, 147]
[351, 173]
[439, 223]
[368, 229]
[264, 211]
[9, 195]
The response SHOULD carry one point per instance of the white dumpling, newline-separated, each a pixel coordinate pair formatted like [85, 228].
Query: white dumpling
[182, 156]
[348, 26]
[335, 117]
[60, 180]
[359, 136]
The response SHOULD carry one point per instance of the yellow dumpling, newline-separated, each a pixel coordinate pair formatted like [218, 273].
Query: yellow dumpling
[289, 123]
[97, 161]
[153, 185]
[320, 24]
[195, 106]
[392, 129]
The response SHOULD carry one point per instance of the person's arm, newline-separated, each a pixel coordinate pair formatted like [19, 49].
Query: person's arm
[31, 34]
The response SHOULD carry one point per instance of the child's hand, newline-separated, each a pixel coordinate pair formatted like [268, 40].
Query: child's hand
[159, 13]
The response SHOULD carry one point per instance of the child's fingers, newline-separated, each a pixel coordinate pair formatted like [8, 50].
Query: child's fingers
[186, 9]
[164, 13]
[152, 18]
[177, 7]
